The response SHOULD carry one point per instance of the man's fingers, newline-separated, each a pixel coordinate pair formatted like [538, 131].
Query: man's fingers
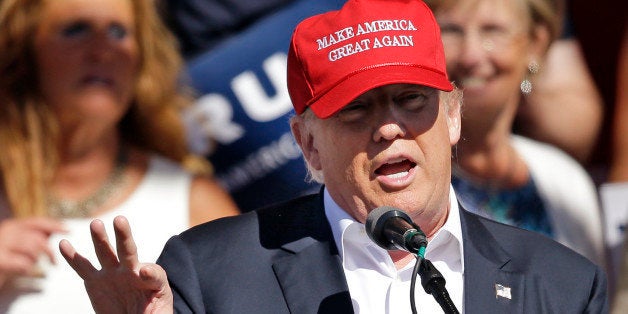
[154, 277]
[125, 245]
[102, 247]
[79, 263]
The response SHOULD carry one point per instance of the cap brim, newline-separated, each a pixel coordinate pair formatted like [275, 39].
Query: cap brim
[362, 81]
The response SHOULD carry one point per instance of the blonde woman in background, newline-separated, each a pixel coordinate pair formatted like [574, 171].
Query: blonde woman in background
[89, 128]
[492, 49]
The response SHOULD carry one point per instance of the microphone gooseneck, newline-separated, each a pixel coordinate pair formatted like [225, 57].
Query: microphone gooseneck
[392, 229]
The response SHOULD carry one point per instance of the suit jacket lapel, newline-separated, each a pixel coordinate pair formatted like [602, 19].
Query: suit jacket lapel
[311, 275]
[492, 283]
[313, 280]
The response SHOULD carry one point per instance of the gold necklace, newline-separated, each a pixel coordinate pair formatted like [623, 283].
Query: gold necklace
[64, 208]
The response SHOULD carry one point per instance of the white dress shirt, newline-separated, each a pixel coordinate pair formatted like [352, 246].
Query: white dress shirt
[375, 284]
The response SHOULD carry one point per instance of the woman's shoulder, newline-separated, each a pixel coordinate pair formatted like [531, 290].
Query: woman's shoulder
[556, 173]
[161, 163]
[546, 156]
[208, 200]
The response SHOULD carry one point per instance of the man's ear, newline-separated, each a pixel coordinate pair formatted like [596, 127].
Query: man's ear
[305, 140]
[453, 108]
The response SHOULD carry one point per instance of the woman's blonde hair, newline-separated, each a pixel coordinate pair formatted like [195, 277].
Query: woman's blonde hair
[29, 134]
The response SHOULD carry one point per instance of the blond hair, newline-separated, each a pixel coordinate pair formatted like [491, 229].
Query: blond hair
[29, 134]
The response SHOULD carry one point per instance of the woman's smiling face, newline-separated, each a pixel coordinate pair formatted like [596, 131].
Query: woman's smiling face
[488, 47]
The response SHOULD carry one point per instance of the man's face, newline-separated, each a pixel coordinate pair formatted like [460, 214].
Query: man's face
[390, 146]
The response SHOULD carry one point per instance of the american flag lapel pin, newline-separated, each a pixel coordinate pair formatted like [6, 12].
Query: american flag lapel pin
[502, 291]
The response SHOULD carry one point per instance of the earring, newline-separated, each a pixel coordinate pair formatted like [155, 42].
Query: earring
[526, 84]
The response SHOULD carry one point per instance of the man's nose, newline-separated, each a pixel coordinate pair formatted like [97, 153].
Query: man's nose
[390, 124]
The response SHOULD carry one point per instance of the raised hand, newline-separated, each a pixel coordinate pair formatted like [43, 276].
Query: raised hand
[123, 284]
[22, 242]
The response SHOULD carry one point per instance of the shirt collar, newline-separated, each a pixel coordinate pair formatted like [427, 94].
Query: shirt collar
[340, 220]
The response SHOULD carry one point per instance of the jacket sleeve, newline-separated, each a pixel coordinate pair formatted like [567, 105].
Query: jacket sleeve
[177, 260]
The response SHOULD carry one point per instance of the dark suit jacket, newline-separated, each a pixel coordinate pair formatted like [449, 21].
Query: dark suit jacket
[283, 259]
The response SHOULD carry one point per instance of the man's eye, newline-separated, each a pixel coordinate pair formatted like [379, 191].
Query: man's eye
[352, 111]
[413, 101]
[353, 107]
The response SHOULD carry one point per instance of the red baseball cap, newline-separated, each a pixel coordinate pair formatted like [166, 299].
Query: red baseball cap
[336, 56]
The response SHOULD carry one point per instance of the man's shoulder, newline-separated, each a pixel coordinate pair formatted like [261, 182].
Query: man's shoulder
[280, 218]
[542, 271]
[527, 248]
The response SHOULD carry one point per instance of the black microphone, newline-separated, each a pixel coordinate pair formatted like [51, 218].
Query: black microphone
[392, 229]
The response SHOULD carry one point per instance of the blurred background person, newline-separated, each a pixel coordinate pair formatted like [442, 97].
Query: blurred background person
[491, 47]
[90, 128]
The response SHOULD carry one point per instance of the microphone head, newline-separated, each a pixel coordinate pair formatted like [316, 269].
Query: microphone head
[376, 220]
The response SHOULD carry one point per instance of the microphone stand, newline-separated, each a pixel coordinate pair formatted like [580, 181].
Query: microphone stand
[433, 283]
